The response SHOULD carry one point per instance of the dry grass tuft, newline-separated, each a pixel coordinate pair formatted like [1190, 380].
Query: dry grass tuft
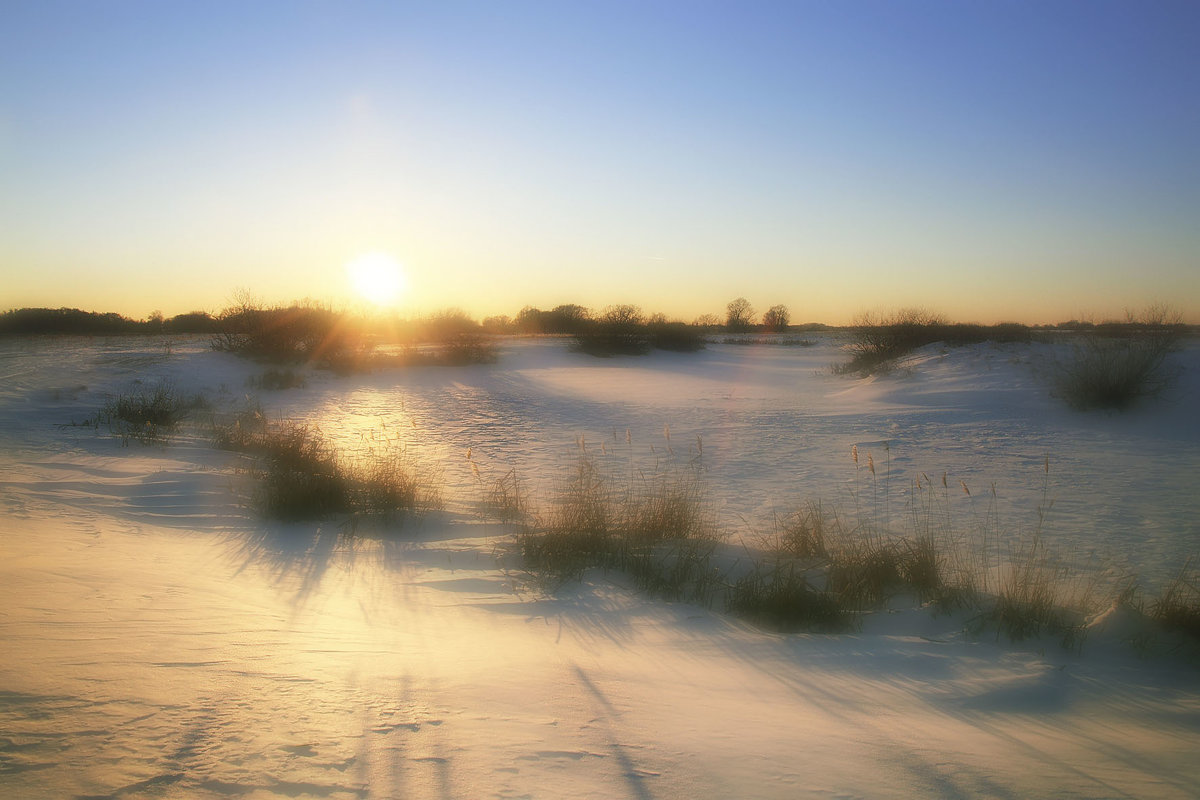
[147, 415]
[659, 529]
[303, 476]
[1178, 608]
[780, 596]
[507, 499]
[806, 533]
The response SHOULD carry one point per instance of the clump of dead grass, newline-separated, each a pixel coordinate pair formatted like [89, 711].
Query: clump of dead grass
[814, 571]
[147, 414]
[1178, 608]
[659, 529]
[1035, 599]
[302, 475]
[507, 499]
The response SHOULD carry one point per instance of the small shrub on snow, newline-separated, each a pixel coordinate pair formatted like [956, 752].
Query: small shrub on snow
[1116, 365]
[147, 415]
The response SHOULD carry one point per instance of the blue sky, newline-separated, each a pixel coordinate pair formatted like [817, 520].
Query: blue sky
[1033, 161]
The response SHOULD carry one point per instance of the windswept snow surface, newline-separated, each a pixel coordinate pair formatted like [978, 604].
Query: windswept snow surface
[159, 640]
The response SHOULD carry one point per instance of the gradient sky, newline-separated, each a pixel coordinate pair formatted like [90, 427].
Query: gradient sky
[1033, 161]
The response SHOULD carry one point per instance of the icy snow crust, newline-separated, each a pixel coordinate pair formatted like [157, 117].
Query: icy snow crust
[158, 639]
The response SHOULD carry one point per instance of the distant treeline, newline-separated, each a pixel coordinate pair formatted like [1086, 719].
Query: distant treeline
[564, 320]
[31, 321]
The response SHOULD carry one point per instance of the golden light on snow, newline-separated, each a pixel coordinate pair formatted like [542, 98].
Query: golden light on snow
[377, 277]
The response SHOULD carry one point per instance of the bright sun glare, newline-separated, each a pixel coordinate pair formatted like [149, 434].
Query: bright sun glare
[377, 277]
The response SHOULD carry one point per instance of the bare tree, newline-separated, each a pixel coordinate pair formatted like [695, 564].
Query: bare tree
[623, 315]
[567, 318]
[777, 319]
[740, 315]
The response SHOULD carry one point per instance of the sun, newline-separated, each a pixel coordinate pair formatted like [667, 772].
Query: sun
[377, 277]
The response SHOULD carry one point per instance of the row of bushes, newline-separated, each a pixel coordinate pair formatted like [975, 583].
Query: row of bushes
[325, 338]
[321, 336]
[812, 572]
[283, 331]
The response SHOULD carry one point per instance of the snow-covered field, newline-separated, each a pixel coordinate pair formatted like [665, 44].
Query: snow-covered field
[158, 639]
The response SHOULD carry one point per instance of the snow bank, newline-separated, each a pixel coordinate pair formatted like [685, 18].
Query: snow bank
[160, 640]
